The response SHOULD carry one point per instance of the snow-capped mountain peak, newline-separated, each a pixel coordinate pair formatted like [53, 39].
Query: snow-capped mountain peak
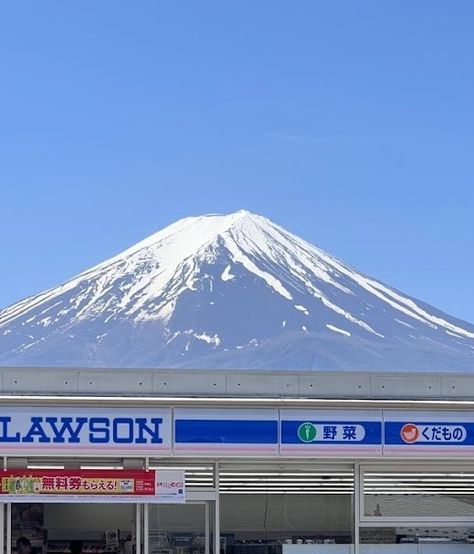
[237, 289]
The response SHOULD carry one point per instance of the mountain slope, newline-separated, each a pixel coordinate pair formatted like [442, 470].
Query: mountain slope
[231, 291]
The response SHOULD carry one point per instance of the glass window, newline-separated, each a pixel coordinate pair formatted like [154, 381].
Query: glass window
[441, 494]
[178, 529]
[273, 511]
[281, 518]
[51, 527]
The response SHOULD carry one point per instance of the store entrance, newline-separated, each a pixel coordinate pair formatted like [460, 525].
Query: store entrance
[106, 528]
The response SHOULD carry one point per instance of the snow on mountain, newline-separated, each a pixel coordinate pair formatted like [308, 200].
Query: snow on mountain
[231, 291]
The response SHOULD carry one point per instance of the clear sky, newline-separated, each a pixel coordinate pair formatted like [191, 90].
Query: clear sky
[350, 123]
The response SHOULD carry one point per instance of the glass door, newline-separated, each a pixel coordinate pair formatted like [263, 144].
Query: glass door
[180, 528]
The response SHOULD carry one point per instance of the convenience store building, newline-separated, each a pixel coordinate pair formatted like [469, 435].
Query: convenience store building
[201, 462]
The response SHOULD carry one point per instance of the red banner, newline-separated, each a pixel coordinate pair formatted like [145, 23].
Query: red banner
[47, 483]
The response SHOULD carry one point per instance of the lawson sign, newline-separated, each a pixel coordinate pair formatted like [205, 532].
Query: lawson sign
[85, 430]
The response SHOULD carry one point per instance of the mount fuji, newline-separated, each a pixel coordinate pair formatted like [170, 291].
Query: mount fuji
[231, 291]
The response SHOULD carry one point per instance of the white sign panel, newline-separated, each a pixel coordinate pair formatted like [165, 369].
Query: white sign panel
[84, 430]
[170, 486]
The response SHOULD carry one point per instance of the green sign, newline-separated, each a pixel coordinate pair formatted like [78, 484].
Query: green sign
[307, 432]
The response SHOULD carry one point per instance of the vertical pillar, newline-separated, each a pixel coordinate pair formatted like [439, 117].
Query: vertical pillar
[138, 530]
[357, 504]
[146, 517]
[207, 527]
[145, 528]
[217, 512]
[2, 528]
[9, 528]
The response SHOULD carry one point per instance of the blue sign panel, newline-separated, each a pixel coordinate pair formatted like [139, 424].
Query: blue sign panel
[221, 431]
[225, 432]
[419, 433]
[437, 433]
[331, 432]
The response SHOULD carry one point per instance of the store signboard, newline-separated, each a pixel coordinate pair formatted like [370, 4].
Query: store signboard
[420, 433]
[58, 485]
[243, 432]
[330, 432]
[158, 432]
[85, 430]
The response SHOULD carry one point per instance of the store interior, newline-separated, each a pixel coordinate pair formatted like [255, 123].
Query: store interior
[51, 527]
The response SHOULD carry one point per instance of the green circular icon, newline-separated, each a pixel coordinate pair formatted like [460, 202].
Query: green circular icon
[307, 432]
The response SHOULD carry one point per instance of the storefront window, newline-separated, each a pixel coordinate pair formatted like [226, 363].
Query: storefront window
[276, 519]
[50, 528]
[419, 510]
[275, 511]
[415, 494]
[179, 529]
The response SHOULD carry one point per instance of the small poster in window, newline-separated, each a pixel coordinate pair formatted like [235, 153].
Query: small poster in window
[112, 539]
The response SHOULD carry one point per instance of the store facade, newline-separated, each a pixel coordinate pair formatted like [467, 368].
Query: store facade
[236, 474]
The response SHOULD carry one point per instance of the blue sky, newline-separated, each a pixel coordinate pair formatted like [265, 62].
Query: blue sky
[350, 123]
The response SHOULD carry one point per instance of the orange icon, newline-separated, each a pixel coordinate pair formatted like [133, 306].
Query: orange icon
[409, 433]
